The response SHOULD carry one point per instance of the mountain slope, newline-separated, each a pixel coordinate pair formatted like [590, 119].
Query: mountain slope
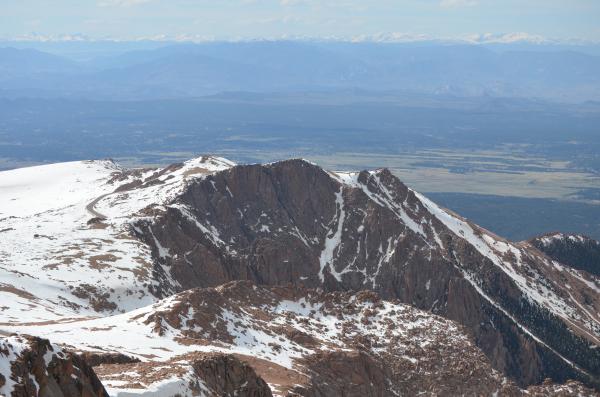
[26, 63]
[577, 251]
[60, 256]
[229, 340]
[295, 338]
[122, 239]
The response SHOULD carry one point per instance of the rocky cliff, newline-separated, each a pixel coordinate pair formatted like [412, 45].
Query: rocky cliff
[32, 367]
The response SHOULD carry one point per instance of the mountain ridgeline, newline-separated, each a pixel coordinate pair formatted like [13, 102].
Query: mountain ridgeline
[188, 70]
[293, 223]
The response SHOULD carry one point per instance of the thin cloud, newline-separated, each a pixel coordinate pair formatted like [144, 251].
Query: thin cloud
[121, 3]
[292, 2]
[458, 3]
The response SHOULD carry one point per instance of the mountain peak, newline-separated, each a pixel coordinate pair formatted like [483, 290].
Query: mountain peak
[213, 162]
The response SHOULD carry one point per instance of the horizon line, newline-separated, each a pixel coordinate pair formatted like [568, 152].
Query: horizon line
[382, 38]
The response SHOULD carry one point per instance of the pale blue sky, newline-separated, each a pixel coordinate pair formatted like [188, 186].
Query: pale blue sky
[246, 19]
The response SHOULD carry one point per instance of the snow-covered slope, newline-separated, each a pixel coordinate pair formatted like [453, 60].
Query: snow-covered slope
[65, 246]
[545, 282]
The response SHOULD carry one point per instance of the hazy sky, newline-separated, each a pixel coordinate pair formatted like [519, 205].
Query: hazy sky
[233, 19]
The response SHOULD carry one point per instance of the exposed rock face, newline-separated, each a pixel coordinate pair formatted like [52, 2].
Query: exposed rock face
[94, 359]
[34, 367]
[579, 252]
[195, 374]
[291, 222]
[356, 373]
[226, 375]
[342, 373]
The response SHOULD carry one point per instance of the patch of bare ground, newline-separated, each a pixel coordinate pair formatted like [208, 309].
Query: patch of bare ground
[222, 374]
[36, 235]
[95, 359]
[98, 262]
[96, 223]
[65, 260]
[126, 174]
[281, 377]
[570, 388]
[195, 171]
[50, 322]
[17, 291]
[137, 375]
[98, 299]
[100, 328]
[125, 236]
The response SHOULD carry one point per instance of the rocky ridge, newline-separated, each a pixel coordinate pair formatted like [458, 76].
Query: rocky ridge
[292, 222]
[300, 341]
[31, 366]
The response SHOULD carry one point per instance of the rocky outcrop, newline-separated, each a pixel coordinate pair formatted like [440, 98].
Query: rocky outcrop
[343, 373]
[94, 359]
[579, 252]
[226, 375]
[293, 223]
[38, 368]
[194, 374]
[356, 373]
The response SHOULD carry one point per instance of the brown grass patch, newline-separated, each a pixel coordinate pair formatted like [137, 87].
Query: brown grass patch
[98, 262]
[275, 374]
[19, 292]
[195, 171]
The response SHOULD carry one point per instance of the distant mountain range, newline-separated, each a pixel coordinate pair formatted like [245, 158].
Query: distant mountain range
[207, 278]
[555, 72]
